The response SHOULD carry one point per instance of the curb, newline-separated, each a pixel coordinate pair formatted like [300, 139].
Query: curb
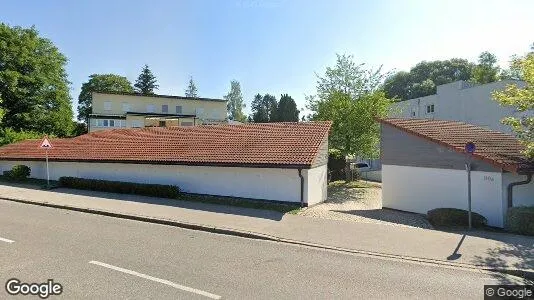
[527, 274]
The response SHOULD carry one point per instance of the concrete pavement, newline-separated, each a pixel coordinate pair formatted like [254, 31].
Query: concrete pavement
[63, 245]
[477, 249]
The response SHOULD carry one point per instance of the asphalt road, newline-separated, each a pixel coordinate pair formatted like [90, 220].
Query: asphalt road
[97, 257]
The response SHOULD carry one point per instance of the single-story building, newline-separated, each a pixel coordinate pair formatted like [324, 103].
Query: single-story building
[274, 161]
[424, 167]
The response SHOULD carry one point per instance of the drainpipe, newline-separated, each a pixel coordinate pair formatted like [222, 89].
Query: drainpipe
[511, 186]
[301, 188]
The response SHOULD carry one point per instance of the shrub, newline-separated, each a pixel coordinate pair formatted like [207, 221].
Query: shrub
[20, 172]
[8, 136]
[336, 165]
[155, 190]
[520, 220]
[454, 217]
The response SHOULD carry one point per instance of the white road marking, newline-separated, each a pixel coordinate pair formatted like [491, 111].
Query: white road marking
[6, 240]
[169, 283]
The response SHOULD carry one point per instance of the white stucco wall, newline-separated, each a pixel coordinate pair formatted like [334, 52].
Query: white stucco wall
[422, 189]
[255, 183]
[375, 175]
[523, 195]
[315, 184]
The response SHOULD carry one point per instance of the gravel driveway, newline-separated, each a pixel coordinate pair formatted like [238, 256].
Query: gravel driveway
[362, 205]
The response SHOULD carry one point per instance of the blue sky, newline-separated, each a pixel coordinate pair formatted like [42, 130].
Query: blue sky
[270, 46]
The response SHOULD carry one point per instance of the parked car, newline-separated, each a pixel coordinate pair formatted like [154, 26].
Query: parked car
[360, 167]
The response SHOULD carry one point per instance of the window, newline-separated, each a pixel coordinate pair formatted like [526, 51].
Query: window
[107, 105]
[150, 108]
[164, 108]
[187, 124]
[430, 109]
[136, 124]
[178, 109]
[126, 107]
[199, 111]
[110, 123]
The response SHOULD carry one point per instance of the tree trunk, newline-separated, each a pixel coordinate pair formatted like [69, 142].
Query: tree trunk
[347, 171]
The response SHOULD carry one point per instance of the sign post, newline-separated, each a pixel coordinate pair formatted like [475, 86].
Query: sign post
[45, 144]
[469, 149]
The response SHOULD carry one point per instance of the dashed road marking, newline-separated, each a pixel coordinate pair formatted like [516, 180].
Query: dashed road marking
[6, 240]
[155, 279]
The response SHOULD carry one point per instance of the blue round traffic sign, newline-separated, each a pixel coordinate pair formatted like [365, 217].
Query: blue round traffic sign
[470, 147]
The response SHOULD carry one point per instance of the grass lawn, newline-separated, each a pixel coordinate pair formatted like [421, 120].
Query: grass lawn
[353, 184]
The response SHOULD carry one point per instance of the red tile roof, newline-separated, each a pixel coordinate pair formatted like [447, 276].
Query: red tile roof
[262, 145]
[500, 149]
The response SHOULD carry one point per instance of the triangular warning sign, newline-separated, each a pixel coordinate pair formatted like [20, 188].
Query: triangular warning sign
[46, 144]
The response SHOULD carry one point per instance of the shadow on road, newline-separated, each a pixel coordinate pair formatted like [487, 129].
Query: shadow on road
[390, 215]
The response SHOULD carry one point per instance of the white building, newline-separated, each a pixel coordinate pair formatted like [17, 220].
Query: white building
[284, 162]
[423, 167]
[460, 101]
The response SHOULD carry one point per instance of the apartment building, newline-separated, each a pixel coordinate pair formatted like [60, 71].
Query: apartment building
[130, 110]
[460, 101]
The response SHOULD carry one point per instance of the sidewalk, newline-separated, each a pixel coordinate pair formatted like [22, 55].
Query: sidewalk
[478, 249]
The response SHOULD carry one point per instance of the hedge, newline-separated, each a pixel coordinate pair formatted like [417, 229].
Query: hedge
[454, 217]
[154, 190]
[520, 220]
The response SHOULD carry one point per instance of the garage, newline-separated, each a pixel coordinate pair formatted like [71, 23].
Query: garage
[424, 167]
[283, 162]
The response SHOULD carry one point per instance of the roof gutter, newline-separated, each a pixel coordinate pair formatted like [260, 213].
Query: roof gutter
[301, 188]
[510, 188]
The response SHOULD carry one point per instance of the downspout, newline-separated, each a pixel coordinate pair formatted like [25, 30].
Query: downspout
[511, 186]
[301, 188]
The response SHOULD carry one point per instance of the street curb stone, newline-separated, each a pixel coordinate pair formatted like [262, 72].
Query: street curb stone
[528, 274]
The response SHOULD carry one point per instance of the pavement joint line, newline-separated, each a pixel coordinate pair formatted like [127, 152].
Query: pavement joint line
[6, 240]
[261, 236]
[159, 280]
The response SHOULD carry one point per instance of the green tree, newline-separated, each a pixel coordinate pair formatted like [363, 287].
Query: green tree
[351, 102]
[8, 136]
[287, 109]
[348, 77]
[515, 72]
[486, 70]
[523, 100]
[146, 83]
[259, 111]
[106, 83]
[264, 108]
[34, 90]
[271, 105]
[191, 90]
[423, 78]
[235, 103]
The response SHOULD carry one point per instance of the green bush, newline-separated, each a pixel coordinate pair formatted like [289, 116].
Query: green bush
[154, 190]
[336, 165]
[20, 172]
[454, 217]
[520, 220]
[8, 136]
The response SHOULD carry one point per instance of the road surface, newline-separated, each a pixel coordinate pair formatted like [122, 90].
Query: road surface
[98, 257]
